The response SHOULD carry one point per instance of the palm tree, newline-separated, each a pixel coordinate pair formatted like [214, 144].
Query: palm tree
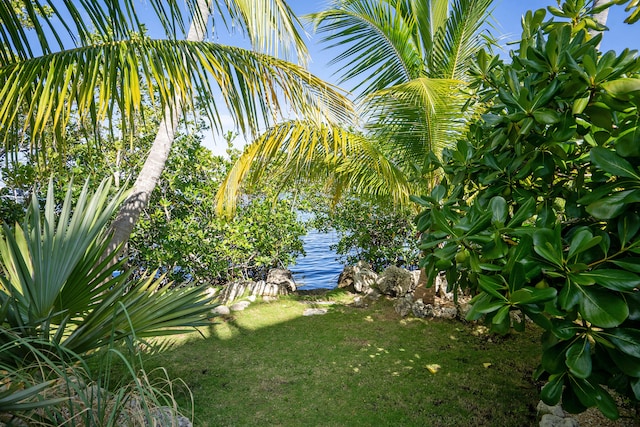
[91, 62]
[407, 60]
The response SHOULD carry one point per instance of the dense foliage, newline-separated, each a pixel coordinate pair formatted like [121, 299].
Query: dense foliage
[538, 209]
[182, 232]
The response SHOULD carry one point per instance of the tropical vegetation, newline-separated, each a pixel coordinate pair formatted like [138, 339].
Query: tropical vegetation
[537, 211]
[408, 63]
[89, 65]
[70, 69]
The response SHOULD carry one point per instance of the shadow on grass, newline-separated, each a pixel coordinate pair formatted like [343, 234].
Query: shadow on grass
[269, 365]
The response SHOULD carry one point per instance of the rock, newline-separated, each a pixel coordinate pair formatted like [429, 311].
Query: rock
[239, 306]
[403, 305]
[165, 416]
[422, 310]
[372, 295]
[358, 302]
[441, 287]
[282, 278]
[395, 281]
[251, 298]
[543, 409]
[279, 282]
[268, 298]
[314, 311]
[550, 420]
[358, 278]
[262, 288]
[221, 310]
[233, 291]
[448, 312]
[415, 276]
[345, 280]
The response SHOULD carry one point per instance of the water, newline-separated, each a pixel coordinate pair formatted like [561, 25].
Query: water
[319, 268]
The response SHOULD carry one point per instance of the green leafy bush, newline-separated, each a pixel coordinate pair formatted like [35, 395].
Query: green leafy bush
[181, 231]
[539, 209]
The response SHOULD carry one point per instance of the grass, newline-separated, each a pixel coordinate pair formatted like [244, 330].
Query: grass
[268, 365]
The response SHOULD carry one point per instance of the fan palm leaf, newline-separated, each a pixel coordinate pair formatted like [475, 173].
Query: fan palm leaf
[54, 286]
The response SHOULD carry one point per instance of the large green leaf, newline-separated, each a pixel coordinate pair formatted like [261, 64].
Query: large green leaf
[582, 241]
[499, 210]
[626, 339]
[553, 358]
[622, 87]
[492, 285]
[529, 295]
[610, 162]
[565, 329]
[552, 391]
[584, 390]
[627, 364]
[578, 358]
[608, 207]
[628, 227]
[483, 304]
[606, 404]
[602, 308]
[617, 280]
[629, 264]
[635, 387]
[547, 244]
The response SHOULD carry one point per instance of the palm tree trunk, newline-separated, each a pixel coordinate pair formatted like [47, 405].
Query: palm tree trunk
[600, 18]
[138, 200]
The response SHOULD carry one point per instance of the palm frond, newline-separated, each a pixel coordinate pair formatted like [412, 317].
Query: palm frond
[271, 27]
[303, 150]
[376, 39]
[95, 81]
[459, 40]
[57, 286]
[55, 23]
[418, 117]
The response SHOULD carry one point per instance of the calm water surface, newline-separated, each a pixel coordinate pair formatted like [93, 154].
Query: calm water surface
[319, 268]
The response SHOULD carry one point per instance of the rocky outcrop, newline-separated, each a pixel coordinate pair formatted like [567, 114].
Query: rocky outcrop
[358, 278]
[554, 416]
[396, 282]
[279, 282]
[282, 278]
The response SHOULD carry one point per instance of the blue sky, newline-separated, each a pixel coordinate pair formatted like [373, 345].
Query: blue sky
[507, 19]
[507, 16]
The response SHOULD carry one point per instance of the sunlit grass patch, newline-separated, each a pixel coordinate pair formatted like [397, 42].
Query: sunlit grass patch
[269, 365]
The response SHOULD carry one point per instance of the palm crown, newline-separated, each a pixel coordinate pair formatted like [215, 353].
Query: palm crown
[407, 60]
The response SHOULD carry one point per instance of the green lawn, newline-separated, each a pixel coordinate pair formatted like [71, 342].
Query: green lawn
[269, 365]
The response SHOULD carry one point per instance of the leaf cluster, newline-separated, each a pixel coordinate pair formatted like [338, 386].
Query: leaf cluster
[538, 209]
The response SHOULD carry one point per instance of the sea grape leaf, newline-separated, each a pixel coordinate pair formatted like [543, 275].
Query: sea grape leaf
[627, 340]
[578, 358]
[603, 308]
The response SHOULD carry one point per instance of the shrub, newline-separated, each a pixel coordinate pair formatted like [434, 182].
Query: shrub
[539, 208]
